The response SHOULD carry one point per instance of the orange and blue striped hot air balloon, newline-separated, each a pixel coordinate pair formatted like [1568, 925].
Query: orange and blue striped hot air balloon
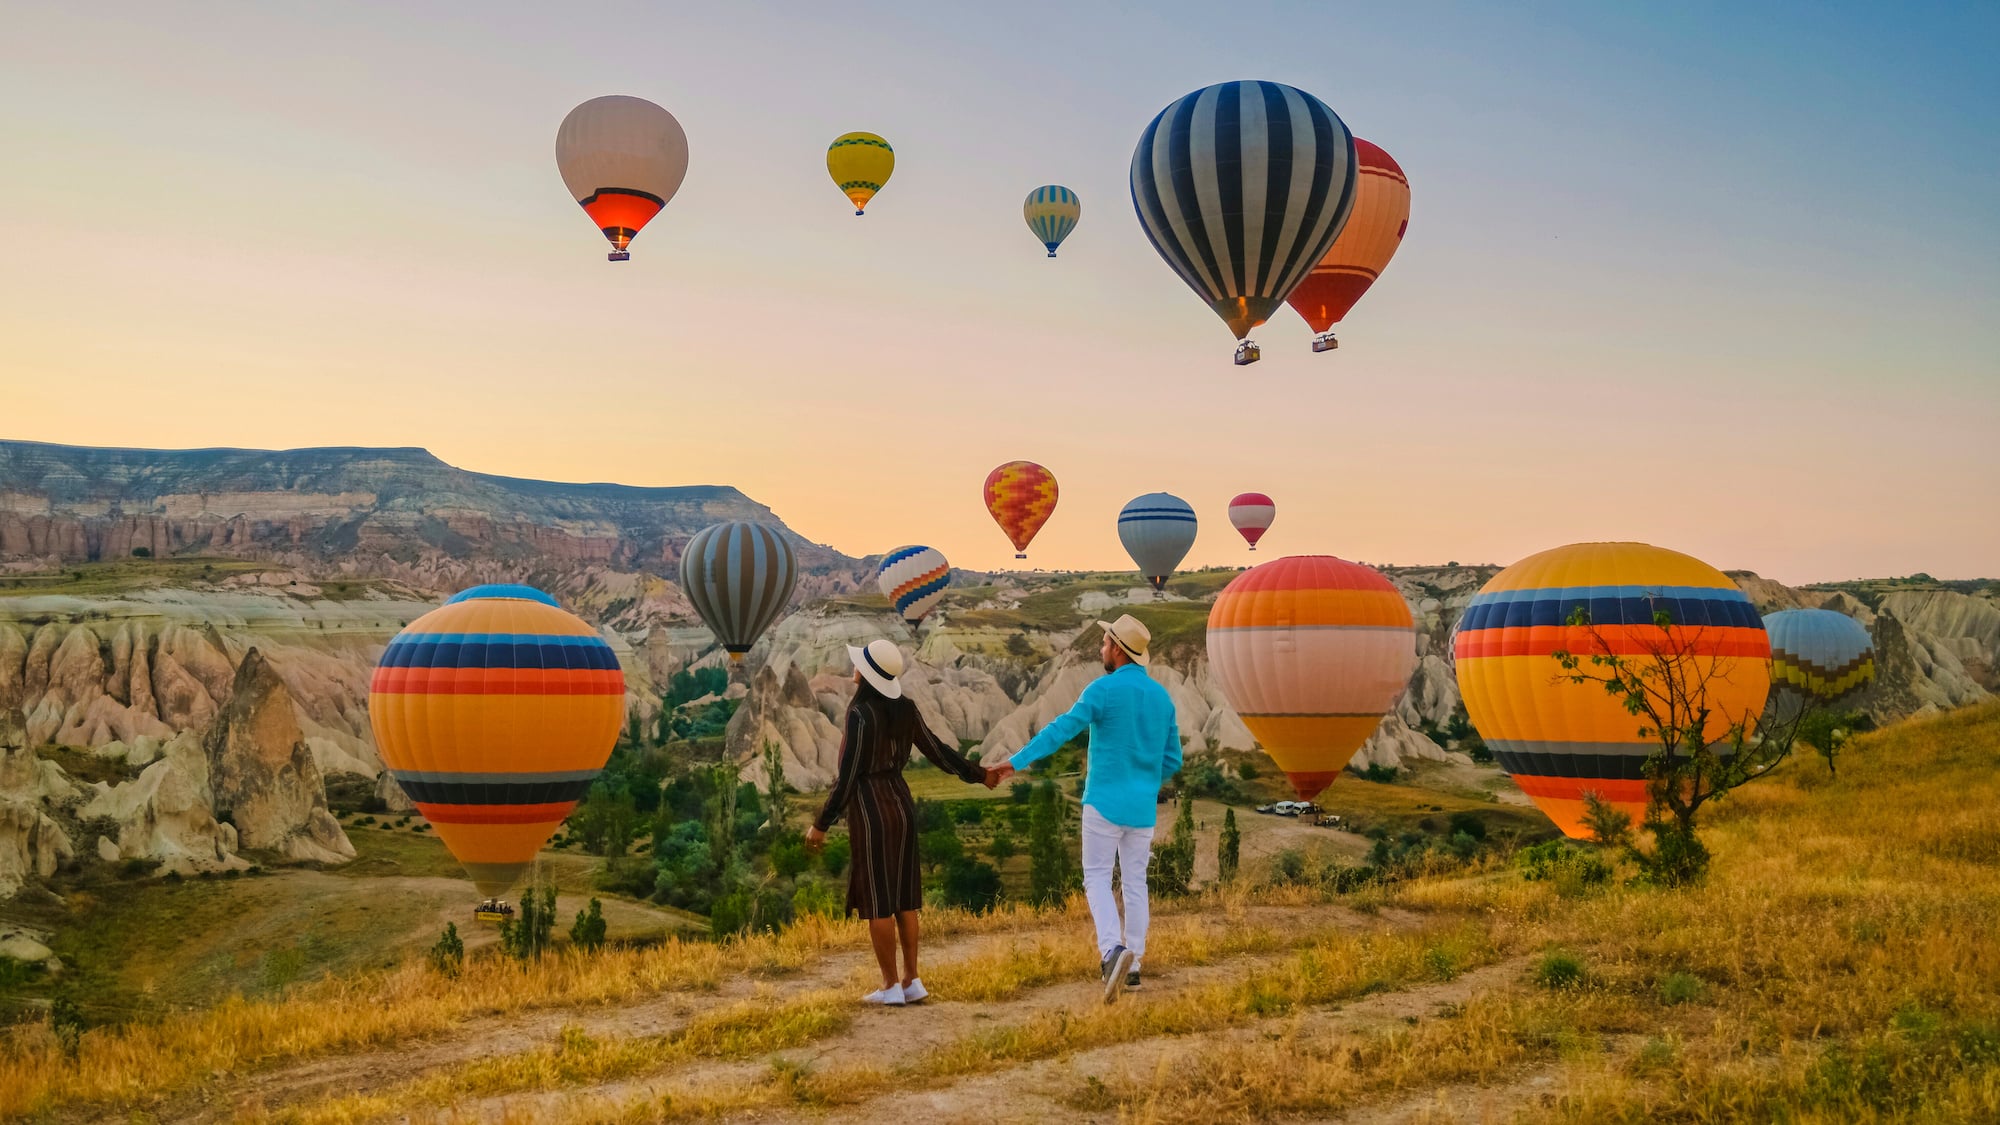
[914, 579]
[1311, 652]
[1562, 740]
[1021, 495]
[495, 712]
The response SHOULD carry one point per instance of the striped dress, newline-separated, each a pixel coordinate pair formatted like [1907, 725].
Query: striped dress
[883, 878]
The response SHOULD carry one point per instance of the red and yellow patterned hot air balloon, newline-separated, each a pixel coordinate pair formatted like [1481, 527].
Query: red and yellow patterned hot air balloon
[1373, 232]
[495, 712]
[1562, 740]
[1021, 495]
[1311, 651]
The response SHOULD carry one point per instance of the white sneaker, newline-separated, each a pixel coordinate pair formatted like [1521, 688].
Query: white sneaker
[890, 996]
[915, 991]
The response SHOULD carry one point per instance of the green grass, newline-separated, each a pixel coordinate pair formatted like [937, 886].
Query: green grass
[84, 767]
[101, 579]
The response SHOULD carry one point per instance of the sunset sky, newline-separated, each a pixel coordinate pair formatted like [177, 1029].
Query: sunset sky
[1721, 281]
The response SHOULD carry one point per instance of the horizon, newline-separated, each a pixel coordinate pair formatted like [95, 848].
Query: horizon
[1648, 217]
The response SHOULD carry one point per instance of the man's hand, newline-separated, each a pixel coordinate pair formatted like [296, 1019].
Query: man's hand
[997, 774]
[814, 839]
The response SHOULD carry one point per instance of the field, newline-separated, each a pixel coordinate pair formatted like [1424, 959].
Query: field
[1841, 964]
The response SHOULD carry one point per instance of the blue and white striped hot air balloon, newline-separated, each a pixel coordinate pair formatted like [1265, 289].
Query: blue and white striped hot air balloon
[913, 578]
[1158, 531]
[1820, 653]
[1052, 212]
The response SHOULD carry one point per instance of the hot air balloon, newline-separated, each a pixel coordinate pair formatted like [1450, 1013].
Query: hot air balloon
[1157, 530]
[1311, 652]
[1022, 496]
[1561, 740]
[1373, 232]
[1819, 653]
[622, 158]
[1251, 513]
[1241, 187]
[1052, 212]
[913, 579]
[860, 163]
[739, 575]
[494, 712]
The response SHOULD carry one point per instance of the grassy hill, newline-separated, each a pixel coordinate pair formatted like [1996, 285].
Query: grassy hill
[1841, 964]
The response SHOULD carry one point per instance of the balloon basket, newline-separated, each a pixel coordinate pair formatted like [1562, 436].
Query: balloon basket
[1022, 555]
[619, 256]
[1325, 343]
[857, 214]
[1248, 353]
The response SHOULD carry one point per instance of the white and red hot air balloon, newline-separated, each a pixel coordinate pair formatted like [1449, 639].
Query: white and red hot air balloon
[1252, 513]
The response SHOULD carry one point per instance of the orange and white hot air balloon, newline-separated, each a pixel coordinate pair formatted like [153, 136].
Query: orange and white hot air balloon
[1021, 496]
[1373, 232]
[622, 159]
[1311, 652]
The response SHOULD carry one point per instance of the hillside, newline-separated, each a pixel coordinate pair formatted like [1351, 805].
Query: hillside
[1840, 964]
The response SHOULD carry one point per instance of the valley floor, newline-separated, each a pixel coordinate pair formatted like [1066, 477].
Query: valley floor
[1841, 964]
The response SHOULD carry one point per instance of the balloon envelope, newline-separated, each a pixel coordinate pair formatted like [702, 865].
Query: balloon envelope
[913, 579]
[1158, 530]
[1563, 740]
[1819, 653]
[1021, 496]
[1052, 212]
[860, 164]
[1251, 514]
[1241, 187]
[1311, 651]
[622, 158]
[739, 575]
[1373, 233]
[495, 713]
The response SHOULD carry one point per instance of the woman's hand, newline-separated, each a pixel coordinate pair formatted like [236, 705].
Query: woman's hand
[814, 839]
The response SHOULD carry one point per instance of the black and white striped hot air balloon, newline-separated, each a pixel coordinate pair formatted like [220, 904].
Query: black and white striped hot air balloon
[739, 575]
[1242, 187]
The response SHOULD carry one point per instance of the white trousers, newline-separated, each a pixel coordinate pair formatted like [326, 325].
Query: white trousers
[1131, 849]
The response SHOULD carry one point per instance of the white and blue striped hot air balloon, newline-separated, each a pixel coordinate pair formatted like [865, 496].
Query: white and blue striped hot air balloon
[1241, 187]
[1052, 212]
[1820, 653]
[1158, 531]
[913, 578]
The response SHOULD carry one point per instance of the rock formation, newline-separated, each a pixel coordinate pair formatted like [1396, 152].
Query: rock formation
[32, 844]
[165, 815]
[262, 773]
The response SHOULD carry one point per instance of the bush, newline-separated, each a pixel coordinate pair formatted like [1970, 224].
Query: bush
[730, 913]
[588, 930]
[1469, 824]
[1002, 847]
[373, 803]
[448, 955]
[1680, 988]
[972, 885]
[834, 855]
[1559, 970]
[1572, 870]
[813, 897]
[969, 812]
[142, 552]
[1021, 792]
[789, 857]
[940, 847]
[1383, 774]
[66, 1021]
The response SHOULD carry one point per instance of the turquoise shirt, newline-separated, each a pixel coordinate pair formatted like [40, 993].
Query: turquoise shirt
[1135, 745]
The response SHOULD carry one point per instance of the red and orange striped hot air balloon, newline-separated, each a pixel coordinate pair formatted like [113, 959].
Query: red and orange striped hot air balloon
[1311, 651]
[1564, 740]
[495, 712]
[1373, 232]
[1021, 495]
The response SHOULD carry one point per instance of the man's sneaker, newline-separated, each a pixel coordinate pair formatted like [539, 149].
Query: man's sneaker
[1116, 966]
[891, 996]
[914, 992]
[1132, 980]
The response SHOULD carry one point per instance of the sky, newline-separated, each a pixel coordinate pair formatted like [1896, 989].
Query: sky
[1727, 281]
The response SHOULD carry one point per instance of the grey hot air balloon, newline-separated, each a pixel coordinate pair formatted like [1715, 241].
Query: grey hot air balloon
[739, 575]
[1157, 530]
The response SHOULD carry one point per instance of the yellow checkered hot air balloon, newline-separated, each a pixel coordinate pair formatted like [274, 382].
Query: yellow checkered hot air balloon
[860, 163]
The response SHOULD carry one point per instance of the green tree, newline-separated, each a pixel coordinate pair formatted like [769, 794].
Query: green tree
[588, 930]
[524, 936]
[971, 885]
[1051, 875]
[834, 855]
[774, 785]
[1173, 865]
[66, 1021]
[1002, 847]
[448, 955]
[1228, 847]
[1665, 679]
[940, 847]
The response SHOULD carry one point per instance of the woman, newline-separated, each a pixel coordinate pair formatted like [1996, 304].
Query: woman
[883, 882]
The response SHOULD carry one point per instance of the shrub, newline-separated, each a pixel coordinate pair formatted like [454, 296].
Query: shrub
[789, 857]
[969, 812]
[1572, 870]
[373, 803]
[66, 1021]
[834, 855]
[1680, 988]
[142, 552]
[940, 848]
[1228, 847]
[971, 885]
[1559, 971]
[1383, 774]
[588, 930]
[813, 897]
[1002, 847]
[1247, 771]
[448, 955]
[1469, 824]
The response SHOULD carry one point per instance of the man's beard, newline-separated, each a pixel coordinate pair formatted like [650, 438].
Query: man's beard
[1110, 665]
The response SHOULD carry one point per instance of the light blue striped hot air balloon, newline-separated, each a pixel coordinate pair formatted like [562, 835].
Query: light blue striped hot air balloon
[1052, 212]
[1819, 652]
[913, 578]
[1157, 530]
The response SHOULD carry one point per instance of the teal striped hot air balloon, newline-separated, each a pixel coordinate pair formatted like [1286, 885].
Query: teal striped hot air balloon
[1052, 212]
[739, 575]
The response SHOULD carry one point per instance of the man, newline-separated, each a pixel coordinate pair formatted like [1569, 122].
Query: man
[1135, 744]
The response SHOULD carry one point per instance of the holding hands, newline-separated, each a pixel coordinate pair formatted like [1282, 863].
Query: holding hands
[997, 774]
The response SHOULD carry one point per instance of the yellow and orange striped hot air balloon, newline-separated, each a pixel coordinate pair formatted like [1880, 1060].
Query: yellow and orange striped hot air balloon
[1311, 651]
[495, 712]
[1021, 495]
[1562, 740]
[1371, 237]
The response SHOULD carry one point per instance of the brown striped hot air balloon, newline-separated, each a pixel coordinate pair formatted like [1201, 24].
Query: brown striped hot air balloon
[494, 713]
[739, 575]
[1311, 651]
[1373, 233]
